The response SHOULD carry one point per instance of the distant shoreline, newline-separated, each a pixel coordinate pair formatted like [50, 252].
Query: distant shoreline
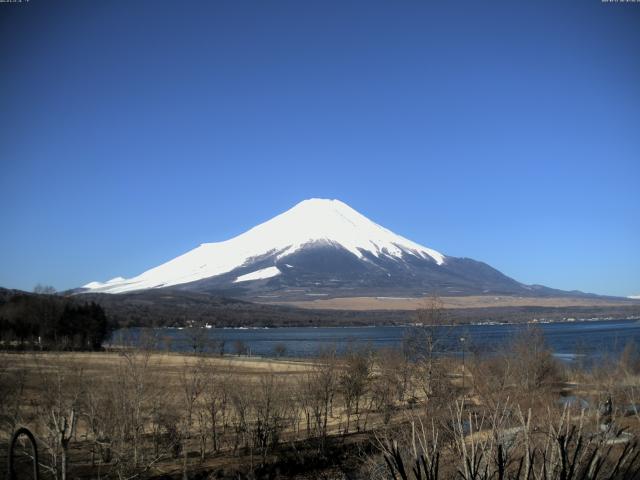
[406, 325]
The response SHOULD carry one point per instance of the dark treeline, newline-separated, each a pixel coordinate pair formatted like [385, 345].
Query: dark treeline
[44, 320]
[51, 322]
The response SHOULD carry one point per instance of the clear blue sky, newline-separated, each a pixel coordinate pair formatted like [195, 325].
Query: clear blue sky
[508, 132]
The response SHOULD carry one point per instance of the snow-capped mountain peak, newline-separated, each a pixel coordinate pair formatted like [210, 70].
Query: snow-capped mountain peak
[309, 222]
[336, 222]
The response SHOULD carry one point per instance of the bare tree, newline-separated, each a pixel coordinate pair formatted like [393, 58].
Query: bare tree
[241, 398]
[96, 408]
[321, 385]
[354, 382]
[215, 403]
[271, 407]
[191, 385]
[58, 412]
[393, 381]
[44, 289]
[134, 387]
[491, 377]
[197, 336]
[396, 369]
[425, 346]
[534, 367]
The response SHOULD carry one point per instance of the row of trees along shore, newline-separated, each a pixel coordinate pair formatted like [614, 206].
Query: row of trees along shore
[406, 413]
[46, 321]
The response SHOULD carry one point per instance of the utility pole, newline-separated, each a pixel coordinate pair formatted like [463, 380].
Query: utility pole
[462, 340]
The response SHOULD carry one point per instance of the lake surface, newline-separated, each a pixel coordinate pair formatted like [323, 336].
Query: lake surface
[591, 339]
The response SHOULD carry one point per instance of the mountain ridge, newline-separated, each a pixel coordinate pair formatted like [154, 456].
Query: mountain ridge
[322, 248]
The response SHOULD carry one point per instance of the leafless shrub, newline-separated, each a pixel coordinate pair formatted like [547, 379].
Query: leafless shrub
[523, 371]
[240, 348]
[485, 447]
[279, 350]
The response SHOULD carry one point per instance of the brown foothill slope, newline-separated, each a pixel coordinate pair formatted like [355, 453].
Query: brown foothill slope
[476, 301]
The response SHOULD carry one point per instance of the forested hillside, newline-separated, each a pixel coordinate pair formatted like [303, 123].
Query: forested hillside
[51, 322]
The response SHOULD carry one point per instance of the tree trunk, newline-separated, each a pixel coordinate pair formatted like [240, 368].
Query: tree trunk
[63, 463]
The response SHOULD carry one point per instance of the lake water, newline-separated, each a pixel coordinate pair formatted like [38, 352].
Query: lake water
[567, 339]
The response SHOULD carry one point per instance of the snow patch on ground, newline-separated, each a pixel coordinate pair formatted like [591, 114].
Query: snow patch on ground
[258, 275]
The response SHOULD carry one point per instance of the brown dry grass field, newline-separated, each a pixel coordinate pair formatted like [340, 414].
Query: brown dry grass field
[165, 381]
[478, 301]
[143, 414]
[168, 365]
[165, 370]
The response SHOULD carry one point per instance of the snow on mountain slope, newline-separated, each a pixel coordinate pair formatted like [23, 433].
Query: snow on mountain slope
[258, 275]
[310, 221]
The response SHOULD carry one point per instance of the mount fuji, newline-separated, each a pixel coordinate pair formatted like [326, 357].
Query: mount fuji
[321, 248]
